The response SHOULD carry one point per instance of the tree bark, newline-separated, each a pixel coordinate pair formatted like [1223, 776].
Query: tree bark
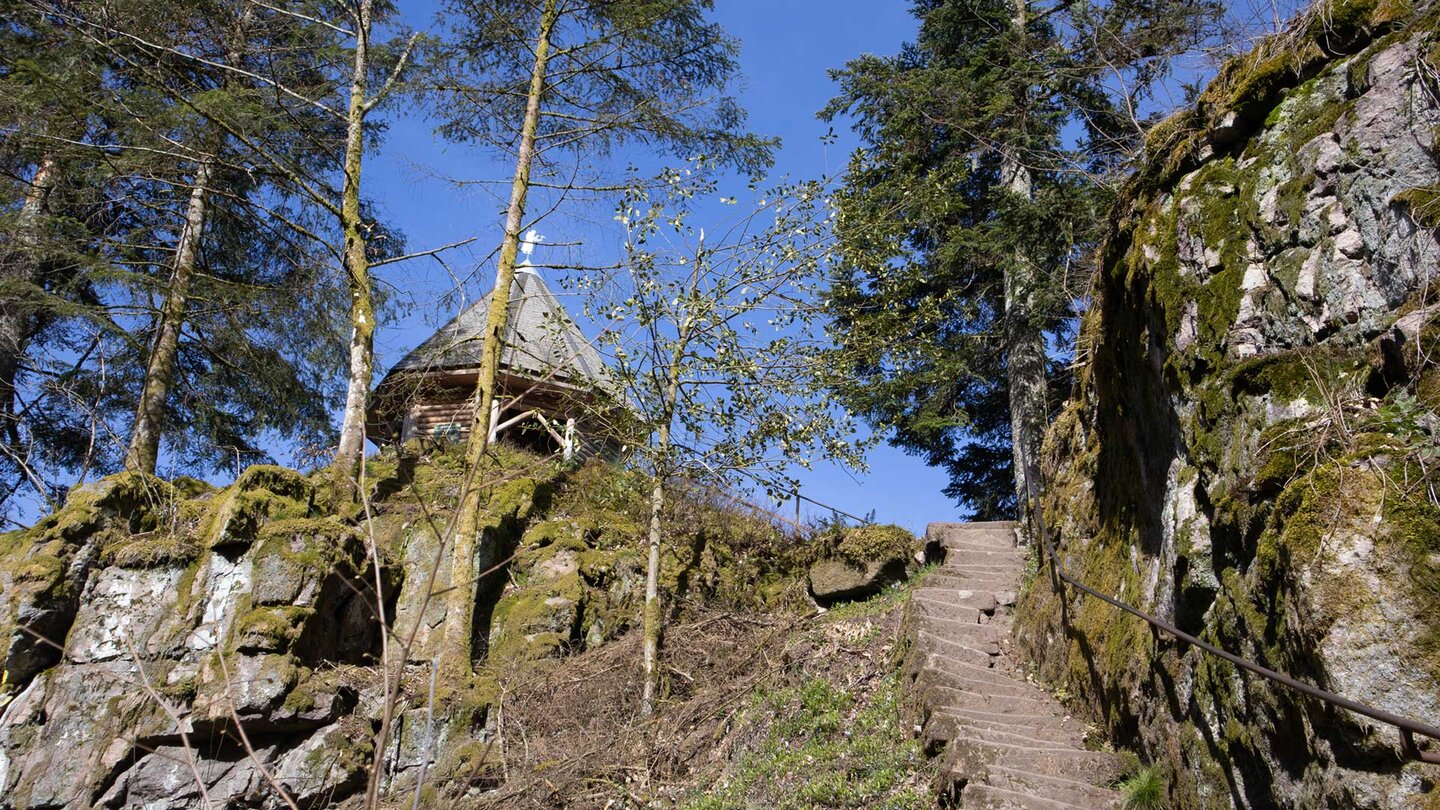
[17, 321]
[650, 655]
[357, 272]
[459, 618]
[144, 449]
[1025, 359]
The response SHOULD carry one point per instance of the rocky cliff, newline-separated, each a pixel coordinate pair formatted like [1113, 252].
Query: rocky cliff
[173, 645]
[1251, 448]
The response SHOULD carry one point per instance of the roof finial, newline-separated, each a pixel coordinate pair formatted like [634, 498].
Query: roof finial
[527, 246]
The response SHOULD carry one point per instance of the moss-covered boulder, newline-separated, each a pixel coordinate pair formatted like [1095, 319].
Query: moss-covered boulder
[862, 562]
[44, 569]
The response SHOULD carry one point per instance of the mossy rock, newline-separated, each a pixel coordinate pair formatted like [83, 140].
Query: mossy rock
[863, 562]
[281, 481]
[1423, 203]
[188, 487]
[151, 549]
[293, 557]
[117, 507]
[270, 629]
[539, 620]
[240, 514]
[875, 543]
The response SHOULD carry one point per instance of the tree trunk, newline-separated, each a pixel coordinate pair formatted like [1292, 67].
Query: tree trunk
[1025, 360]
[17, 322]
[460, 605]
[650, 655]
[357, 274]
[144, 449]
[1025, 363]
[499, 312]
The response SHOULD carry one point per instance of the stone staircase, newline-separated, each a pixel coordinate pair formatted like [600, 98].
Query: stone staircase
[1002, 741]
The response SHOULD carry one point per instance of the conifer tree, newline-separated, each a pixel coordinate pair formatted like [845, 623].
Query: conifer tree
[48, 212]
[969, 211]
[215, 290]
[556, 80]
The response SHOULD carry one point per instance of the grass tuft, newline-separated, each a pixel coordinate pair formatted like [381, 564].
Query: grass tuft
[1144, 789]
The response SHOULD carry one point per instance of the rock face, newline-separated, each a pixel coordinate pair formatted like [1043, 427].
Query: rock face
[146, 624]
[1250, 451]
[165, 620]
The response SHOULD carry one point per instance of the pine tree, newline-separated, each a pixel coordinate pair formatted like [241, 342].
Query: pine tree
[213, 303]
[566, 79]
[968, 213]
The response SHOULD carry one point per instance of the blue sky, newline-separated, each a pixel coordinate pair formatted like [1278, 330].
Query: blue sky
[787, 46]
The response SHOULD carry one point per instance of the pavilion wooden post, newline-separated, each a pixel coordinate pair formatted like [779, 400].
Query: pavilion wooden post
[494, 420]
[569, 444]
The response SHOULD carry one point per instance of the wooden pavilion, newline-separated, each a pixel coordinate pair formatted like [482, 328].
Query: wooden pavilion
[551, 381]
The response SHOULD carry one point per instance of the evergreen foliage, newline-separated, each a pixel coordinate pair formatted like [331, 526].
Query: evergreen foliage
[931, 224]
[151, 108]
[654, 73]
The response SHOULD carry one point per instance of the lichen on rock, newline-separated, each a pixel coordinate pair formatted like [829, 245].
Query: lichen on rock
[184, 608]
[1244, 454]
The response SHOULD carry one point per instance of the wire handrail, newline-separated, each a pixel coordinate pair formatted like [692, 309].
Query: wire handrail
[862, 521]
[795, 523]
[1408, 727]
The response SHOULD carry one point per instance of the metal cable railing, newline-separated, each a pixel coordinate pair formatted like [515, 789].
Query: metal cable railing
[1408, 727]
[795, 523]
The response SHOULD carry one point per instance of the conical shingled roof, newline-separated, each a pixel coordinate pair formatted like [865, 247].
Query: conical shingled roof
[540, 338]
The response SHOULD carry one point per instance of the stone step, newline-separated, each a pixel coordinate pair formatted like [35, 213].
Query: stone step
[979, 552]
[975, 693]
[1047, 715]
[961, 581]
[942, 643]
[953, 672]
[929, 607]
[962, 632]
[1003, 741]
[981, 568]
[961, 660]
[1000, 536]
[940, 658]
[1008, 559]
[1075, 792]
[975, 636]
[970, 759]
[1035, 728]
[971, 527]
[1043, 739]
[980, 636]
[958, 550]
[1003, 578]
[990, 797]
[980, 599]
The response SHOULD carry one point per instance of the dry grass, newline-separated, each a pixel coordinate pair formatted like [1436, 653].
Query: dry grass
[572, 734]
